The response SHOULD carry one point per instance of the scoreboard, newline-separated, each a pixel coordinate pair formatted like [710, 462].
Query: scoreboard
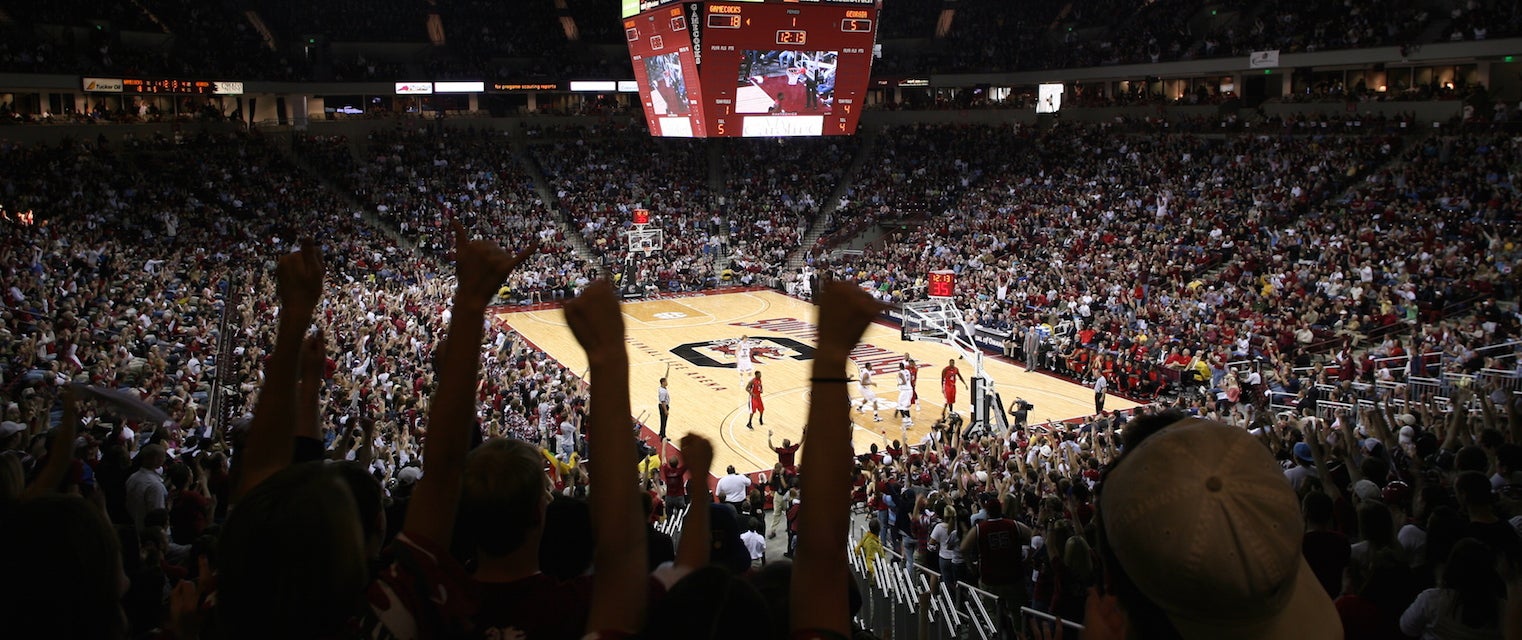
[752, 68]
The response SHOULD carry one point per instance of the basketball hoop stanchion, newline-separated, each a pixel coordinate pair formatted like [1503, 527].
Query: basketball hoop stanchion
[939, 320]
[642, 240]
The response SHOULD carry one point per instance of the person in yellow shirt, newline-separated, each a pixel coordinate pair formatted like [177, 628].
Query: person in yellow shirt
[1201, 368]
[558, 469]
[870, 546]
[651, 463]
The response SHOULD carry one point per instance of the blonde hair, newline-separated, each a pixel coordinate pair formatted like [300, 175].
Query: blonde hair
[1079, 557]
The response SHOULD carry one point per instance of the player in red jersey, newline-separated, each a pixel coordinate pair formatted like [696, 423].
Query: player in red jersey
[949, 378]
[754, 388]
[914, 381]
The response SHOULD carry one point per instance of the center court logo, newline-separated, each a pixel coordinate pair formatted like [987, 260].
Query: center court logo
[720, 354]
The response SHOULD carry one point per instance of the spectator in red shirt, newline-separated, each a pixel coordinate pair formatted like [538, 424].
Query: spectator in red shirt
[673, 475]
[785, 453]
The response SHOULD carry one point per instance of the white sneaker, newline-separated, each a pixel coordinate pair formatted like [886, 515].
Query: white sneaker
[876, 418]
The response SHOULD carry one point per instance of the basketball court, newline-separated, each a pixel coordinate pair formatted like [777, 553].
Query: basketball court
[695, 338]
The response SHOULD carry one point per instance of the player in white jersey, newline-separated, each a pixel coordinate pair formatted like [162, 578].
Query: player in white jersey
[868, 392]
[743, 363]
[905, 392]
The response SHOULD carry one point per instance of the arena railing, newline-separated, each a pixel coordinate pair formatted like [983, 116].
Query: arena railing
[904, 600]
[1431, 316]
[217, 413]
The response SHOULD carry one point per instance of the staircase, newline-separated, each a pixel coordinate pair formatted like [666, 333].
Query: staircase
[347, 196]
[717, 175]
[718, 195]
[821, 224]
[551, 203]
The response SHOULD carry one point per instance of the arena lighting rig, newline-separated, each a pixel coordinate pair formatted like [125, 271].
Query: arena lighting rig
[751, 68]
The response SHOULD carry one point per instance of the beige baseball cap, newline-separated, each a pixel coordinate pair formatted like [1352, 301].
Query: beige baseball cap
[1203, 521]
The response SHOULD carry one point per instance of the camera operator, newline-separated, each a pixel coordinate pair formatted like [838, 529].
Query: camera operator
[1020, 410]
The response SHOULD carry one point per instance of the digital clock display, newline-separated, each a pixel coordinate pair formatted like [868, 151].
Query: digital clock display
[943, 284]
[135, 85]
[792, 36]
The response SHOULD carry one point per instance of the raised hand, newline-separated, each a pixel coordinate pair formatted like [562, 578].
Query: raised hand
[697, 451]
[185, 609]
[596, 321]
[61, 449]
[481, 266]
[1102, 618]
[298, 278]
[845, 310]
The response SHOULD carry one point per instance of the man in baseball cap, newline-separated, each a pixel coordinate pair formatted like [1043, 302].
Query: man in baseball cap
[8, 437]
[1202, 536]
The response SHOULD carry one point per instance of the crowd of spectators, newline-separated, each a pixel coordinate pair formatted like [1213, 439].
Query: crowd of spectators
[1176, 224]
[775, 192]
[204, 40]
[917, 170]
[1257, 273]
[385, 21]
[115, 294]
[600, 179]
[999, 37]
[418, 177]
[538, 40]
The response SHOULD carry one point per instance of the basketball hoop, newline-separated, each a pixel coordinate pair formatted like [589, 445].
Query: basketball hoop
[647, 249]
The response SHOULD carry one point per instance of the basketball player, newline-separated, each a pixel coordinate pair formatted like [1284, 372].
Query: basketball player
[754, 389]
[949, 377]
[914, 380]
[868, 392]
[905, 392]
[743, 362]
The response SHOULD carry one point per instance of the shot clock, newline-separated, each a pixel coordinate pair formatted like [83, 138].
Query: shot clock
[943, 284]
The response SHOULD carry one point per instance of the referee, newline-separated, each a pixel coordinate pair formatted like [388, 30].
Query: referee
[663, 397]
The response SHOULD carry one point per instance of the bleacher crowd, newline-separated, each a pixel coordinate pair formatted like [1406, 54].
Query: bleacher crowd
[1344, 302]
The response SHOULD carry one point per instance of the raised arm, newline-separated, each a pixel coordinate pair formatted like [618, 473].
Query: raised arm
[618, 595]
[480, 267]
[60, 450]
[1311, 429]
[693, 552]
[1458, 408]
[271, 438]
[367, 447]
[819, 582]
[308, 403]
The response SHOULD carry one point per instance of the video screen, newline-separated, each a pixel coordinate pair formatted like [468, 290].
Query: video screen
[668, 85]
[1049, 98]
[783, 83]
